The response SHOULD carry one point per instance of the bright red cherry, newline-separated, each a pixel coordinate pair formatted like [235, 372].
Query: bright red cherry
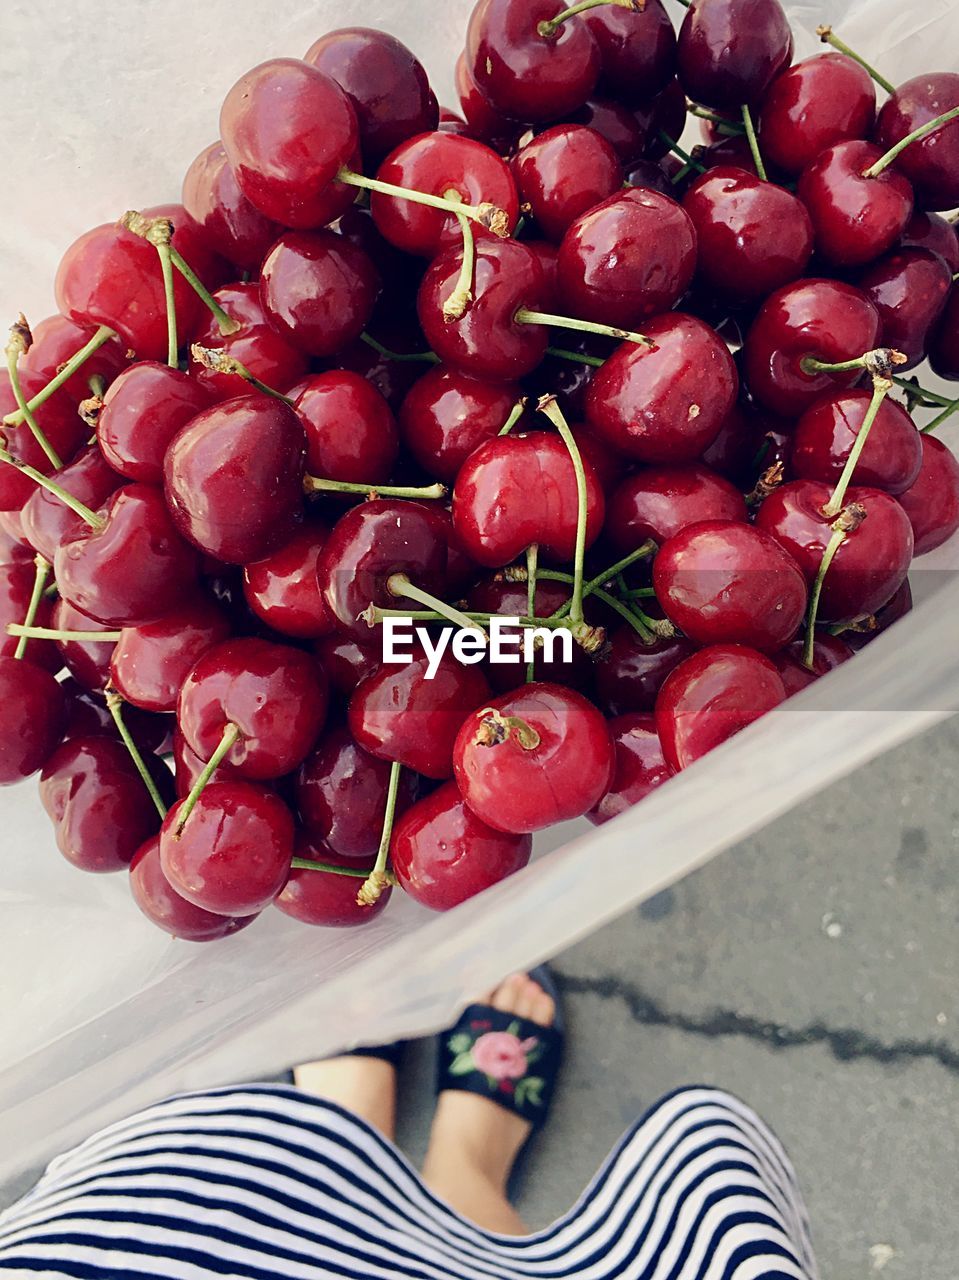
[817, 103]
[932, 163]
[630, 673]
[658, 502]
[823, 440]
[828, 653]
[150, 663]
[910, 289]
[167, 909]
[442, 853]
[142, 411]
[640, 766]
[509, 600]
[88, 661]
[637, 49]
[447, 414]
[710, 697]
[47, 520]
[933, 232]
[932, 502]
[944, 347]
[212, 197]
[34, 718]
[664, 403]
[56, 340]
[322, 898]
[483, 121]
[288, 130]
[856, 218]
[258, 344]
[346, 661]
[350, 429]
[60, 423]
[16, 588]
[187, 767]
[564, 172]
[283, 588]
[731, 51]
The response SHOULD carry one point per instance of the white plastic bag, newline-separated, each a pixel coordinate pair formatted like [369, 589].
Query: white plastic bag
[104, 103]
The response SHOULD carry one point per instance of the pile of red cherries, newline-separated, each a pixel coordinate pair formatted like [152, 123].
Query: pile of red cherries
[533, 361]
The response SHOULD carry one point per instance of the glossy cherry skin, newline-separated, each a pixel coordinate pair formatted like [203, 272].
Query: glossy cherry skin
[944, 347]
[386, 84]
[640, 766]
[258, 344]
[233, 478]
[483, 121]
[525, 75]
[212, 197]
[932, 163]
[828, 653]
[664, 403]
[59, 422]
[869, 567]
[525, 788]
[753, 236]
[350, 429]
[931, 231]
[88, 661]
[47, 521]
[637, 49]
[318, 289]
[443, 854]
[658, 502]
[111, 276]
[855, 218]
[98, 804]
[932, 502]
[187, 767]
[369, 544]
[347, 662]
[16, 588]
[826, 319]
[520, 489]
[564, 172]
[34, 718]
[142, 411]
[150, 663]
[234, 854]
[624, 132]
[14, 545]
[629, 258]
[731, 51]
[710, 697]
[867, 629]
[487, 341]
[287, 130]
[825, 434]
[321, 898]
[816, 103]
[631, 672]
[399, 714]
[910, 289]
[509, 600]
[447, 414]
[283, 588]
[56, 340]
[274, 694]
[167, 909]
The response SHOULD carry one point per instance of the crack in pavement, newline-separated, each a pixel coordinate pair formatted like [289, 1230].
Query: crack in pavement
[845, 1043]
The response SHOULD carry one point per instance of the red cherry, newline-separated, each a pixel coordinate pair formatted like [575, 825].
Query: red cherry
[932, 502]
[257, 344]
[823, 440]
[910, 289]
[350, 429]
[520, 489]
[150, 663]
[664, 403]
[400, 714]
[931, 231]
[563, 172]
[447, 414]
[483, 121]
[142, 411]
[212, 197]
[275, 695]
[605, 460]
[16, 588]
[167, 909]
[47, 520]
[658, 502]
[233, 856]
[346, 661]
[386, 84]
[187, 767]
[651, 175]
[56, 340]
[322, 898]
[731, 51]
[283, 589]
[663, 114]
[288, 130]
[618, 125]
[749, 441]
[828, 652]
[640, 766]
[637, 49]
[443, 853]
[631, 672]
[816, 104]
[932, 163]
[944, 347]
[712, 696]
[60, 423]
[855, 218]
[875, 624]
[14, 546]
[391, 378]
[88, 661]
[628, 259]
[34, 718]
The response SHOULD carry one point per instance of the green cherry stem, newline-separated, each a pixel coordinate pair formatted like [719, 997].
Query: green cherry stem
[219, 361]
[920, 394]
[754, 142]
[923, 131]
[378, 879]
[461, 299]
[84, 512]
[880, 389]
[159, 233]
[826, 35]
[63, 374]
[549, 27]
[307, 864]
[39, 582]
[317, 484]
[375, 615]
[405, 357]
[690, 161]
[398, 584]
[525, 316]
[514, 416]
[487, 215]
[638, 593]
[230, 735]
[940, 418]
[549, 407]
[729, 127]
[847, 522]
[579, 357]
[532, 563]
[590, 588]
[19, 345]
[51, 633]
[115, 707]
[879, 363]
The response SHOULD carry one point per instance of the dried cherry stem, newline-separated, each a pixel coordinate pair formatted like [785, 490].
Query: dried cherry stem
[532, 563]
[690, 161]
[548, 28]
[826, 35]
[75, 505]
[487, 215]
[317, 484]
[219, 361]
[514, 416]
[39, 582]
[847, 522]
[398, 584]
[461, 299]
[424, 357]
[754, 142]
[923, 131]
[115, 707]
[20, 342]
[880, 389]
[51, 633]
[230, 735]
[307, 864]
[378, 879]
[494, 729]
[879, 363]
[549, 407]
[768, 482]
[730, 127]
[580, 357]
[63, 374]
[525, 316]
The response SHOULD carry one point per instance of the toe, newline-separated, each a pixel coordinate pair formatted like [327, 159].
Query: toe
[544, 1007]
[506, 994]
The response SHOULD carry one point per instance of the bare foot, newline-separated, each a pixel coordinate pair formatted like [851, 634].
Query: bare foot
[365, 1086]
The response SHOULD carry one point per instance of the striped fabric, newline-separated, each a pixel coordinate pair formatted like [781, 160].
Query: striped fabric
[269, 1182]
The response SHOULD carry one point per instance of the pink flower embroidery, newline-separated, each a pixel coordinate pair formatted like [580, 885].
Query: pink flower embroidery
[502, 1056]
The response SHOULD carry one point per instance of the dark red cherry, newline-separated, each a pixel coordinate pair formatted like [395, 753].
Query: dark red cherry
[640, 766]
[275, 695]
[866, 629]
[99, 806]
[817, 103]
[631, 672]
[234, 478]
[663, 114]
[212, 197]
[167, 909]
[322, 898]
[288, 130]
[318, 289]
[483, 121]
[664, 403]
[350, 429]
[386, 84]
[16, 589]
[658, 502]
[367, 546]
[341, 795]
[391, 378]
[233, 856]
[856, 218]
[932, 502]
[447, 414]
[47, 520]
[564, 172]
[652, 175]
[944, 347]
[283, 588]
[731, 51]
[34, 718]
[509, 600]
[630, 258]
[932, 163]
[60, 423]
[870, 565]
[753, 236]
[618, 125]
[442, 853]
[346, 661]
[931, 231]
[400, 713]
[828, 652]
[258, 344]
[56, 340]
[187, 767]
[539, 755]
[142, 411]
[88, 661]
[910, 288]
[710, 697]
[825, 319]
[525, 74]
[150, 663]
[520, 489]
[637, 49]
[823, 440]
